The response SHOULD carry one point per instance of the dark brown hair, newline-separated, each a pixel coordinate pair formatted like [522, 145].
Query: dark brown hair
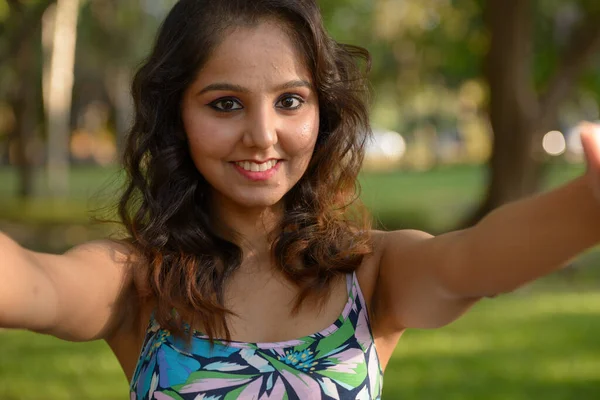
[165, 207]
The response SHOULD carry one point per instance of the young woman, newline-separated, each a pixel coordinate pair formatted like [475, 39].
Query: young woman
[243, 275]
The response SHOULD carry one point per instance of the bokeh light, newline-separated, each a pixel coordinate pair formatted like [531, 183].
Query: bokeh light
[554, 143]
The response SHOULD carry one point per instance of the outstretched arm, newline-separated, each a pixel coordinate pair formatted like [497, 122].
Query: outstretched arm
[72, 296]
[427, 281]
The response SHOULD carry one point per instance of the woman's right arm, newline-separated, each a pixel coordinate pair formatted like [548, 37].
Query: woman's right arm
[74, 296]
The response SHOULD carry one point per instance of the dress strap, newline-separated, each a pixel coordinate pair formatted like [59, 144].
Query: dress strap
[349, 282]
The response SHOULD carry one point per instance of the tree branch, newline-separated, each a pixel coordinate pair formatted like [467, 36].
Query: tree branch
[584, 43]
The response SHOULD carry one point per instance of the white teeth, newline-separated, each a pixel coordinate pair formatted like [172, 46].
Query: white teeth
[254, 167]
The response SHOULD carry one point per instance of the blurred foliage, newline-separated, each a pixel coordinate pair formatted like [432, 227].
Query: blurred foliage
[427, 63]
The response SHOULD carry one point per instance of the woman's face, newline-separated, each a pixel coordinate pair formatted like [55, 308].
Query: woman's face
[252, 117]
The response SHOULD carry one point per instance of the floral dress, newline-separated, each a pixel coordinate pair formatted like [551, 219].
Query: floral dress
[339, 362]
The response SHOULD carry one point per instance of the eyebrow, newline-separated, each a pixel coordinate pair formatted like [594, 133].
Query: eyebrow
[221, 86]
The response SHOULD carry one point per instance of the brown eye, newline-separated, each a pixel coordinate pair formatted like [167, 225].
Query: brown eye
[226, 105]
[290, 103]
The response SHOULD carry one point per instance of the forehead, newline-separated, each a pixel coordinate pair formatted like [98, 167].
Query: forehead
[255, 56]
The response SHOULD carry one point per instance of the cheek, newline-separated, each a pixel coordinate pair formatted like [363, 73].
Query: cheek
[305, 135]
[209, 137]
[308, 132]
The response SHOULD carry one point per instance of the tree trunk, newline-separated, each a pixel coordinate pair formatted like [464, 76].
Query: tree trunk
[25, 107]
[60, 96]
[512, 170]
[118, 87]
[22, 53]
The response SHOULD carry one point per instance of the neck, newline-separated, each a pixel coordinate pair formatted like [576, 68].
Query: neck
[250, 228]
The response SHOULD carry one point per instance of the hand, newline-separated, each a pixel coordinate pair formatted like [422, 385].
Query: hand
[590, 139]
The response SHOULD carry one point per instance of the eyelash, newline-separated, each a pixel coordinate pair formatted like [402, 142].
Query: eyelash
[214, 104]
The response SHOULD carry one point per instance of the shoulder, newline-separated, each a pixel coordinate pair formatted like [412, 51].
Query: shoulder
[97, 261]
[369, 271]
[401, 238]
[109, 261]
[383, 241]
[105, 250]
[398, 241]
[370, 279]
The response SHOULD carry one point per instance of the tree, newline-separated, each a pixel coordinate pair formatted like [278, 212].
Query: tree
[60, 92]
[521, 109]
[20, 30]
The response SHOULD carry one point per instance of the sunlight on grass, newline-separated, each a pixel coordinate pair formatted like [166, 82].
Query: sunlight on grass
[527, 345]
[584, 368]
[36, 367]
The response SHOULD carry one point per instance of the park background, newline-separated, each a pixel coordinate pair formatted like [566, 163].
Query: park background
[475, 103]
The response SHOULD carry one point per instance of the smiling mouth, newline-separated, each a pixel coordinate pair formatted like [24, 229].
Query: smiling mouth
[255, 167]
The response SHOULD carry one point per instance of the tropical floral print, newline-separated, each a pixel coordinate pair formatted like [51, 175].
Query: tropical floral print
[339, 362]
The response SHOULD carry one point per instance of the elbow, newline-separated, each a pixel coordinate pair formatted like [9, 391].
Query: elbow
[471, 273]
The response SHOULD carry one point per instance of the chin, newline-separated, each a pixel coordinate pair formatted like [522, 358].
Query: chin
[258, 201]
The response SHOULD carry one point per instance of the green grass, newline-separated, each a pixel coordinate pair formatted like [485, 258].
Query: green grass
[532, 344]
[435, 200]
[521, 346]
[430, 201]
[89, 189]
[38, 367]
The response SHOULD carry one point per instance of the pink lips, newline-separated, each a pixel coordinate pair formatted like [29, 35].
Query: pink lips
[258, 176]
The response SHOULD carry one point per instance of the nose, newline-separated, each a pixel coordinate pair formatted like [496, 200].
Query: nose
[261, 129]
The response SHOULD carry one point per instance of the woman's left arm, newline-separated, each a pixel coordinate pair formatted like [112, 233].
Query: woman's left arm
[427, 281]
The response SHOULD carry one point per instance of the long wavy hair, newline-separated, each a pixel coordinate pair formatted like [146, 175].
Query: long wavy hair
[183, 262]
